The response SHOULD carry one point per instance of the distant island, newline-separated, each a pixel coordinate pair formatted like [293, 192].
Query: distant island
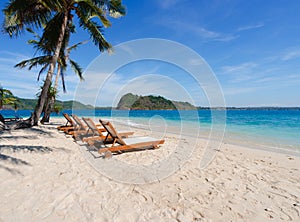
[130, 101]
[134, 102]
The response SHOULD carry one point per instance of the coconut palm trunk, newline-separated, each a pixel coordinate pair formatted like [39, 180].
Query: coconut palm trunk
[44, 94]
[47, 109]
[49, 105]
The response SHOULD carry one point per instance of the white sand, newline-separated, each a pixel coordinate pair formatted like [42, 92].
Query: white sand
[46, 177]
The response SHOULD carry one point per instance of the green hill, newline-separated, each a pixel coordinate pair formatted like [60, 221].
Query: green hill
[26, 103]
[30, 104]
[73, 105]
[152, 103]
[134, 102]
[127, 101]
[184, 105]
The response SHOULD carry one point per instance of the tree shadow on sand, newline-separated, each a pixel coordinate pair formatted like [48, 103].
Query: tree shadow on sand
[40, 131]
[13, 161]
[16, 148]
[11, 170]
[9, 160]
[28, 137]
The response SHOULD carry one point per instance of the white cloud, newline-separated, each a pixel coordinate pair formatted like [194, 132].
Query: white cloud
[13, 55]
[291, 55]
[249, 27]
[196, 29]
[239, 69]
[267, 79]
[205, 33]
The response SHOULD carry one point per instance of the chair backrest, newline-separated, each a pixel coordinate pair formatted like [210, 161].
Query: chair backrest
[112, 132]
[92, 126]
[78, 121]
[69, 119]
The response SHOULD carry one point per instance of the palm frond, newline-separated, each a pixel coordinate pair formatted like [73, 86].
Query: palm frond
[43, 69]
[33, 32]
[33, 62]
[91, 10]
[51, 34]
[116, 9]
[74, 47]
[95, 33]
[62, 74]
[62, 60]
[33, 42]
[77, 69]
[22, 13]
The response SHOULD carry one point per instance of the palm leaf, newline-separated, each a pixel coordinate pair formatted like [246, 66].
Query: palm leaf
[40, 60]
[21, 13]
[96, 34]
[51, 33]
[75, 46]
[76, 68]
[116, 9]
[43, 69]
[62, 74]
[92, 10]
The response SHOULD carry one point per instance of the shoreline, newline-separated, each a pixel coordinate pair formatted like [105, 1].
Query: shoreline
[227, 138]
[269, 130]
[242, 140]
[46, 177]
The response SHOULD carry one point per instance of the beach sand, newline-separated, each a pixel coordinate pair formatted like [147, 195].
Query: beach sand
[46, 176]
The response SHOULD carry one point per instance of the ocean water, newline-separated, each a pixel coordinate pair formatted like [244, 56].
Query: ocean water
[272, 129]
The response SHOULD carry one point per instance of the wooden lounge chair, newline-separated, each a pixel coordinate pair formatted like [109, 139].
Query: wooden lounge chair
[99, 134]
[70, 124]
[71, 127]
[84, 130]
[132, 143]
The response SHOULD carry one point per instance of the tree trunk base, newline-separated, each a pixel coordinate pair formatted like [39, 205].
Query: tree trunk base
[20, 124]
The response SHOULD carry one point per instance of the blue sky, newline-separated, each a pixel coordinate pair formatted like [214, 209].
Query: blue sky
[253, 47]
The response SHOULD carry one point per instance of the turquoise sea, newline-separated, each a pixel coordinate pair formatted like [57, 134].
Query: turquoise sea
[266, 129]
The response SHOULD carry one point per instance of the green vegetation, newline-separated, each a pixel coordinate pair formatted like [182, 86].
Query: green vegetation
[127, 101]
[56, 21]
[135, 102]
[73, 105]
[7, 98]
[183, 105]
[153, 103]
[59, 105]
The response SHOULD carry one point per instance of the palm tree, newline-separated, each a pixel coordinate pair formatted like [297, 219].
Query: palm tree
[63, 61]
[44, 61]
[56, 15]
